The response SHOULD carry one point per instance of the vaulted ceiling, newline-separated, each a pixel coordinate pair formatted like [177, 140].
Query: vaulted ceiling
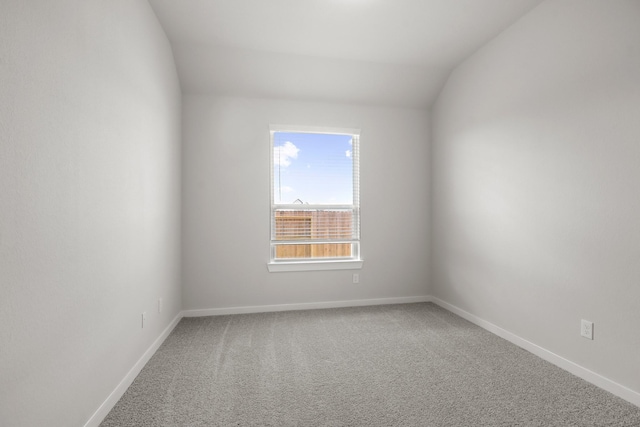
[377, 52]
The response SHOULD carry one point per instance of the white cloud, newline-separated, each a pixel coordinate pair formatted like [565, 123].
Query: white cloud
[283, 154]
[348, 153]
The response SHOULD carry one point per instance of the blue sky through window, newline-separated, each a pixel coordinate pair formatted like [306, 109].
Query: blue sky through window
[313, 168]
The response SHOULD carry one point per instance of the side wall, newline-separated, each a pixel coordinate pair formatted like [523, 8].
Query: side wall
[89, 202]
[226, 204]
[536, 199]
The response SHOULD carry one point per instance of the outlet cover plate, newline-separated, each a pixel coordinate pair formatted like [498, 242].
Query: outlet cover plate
[586, 329]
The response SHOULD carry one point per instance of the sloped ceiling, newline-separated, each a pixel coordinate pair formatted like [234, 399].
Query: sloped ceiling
[377, 52]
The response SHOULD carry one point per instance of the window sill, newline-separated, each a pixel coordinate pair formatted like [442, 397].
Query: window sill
[283, 266]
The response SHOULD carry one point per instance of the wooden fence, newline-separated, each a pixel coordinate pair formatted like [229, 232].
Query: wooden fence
[313, 224]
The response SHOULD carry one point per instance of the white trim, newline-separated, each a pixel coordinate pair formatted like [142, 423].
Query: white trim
[314, 129]
[116, 394]
[577, 370]
[303, 306]
[277, 265]
[283, 266]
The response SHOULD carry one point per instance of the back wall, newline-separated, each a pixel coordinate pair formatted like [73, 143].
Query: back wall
[226, 203]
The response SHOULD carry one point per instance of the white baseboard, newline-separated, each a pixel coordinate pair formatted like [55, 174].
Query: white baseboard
[302, 306]
[577, 370]
[116, 394]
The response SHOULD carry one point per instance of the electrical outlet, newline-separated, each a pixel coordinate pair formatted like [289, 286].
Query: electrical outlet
[159, 305]
[356, 278]
[586, 329]
[144, 319]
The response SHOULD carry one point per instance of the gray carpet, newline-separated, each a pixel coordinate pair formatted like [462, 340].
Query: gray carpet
[395, 365]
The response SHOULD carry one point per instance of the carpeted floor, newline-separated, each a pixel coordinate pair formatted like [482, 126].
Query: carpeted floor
[395, 365]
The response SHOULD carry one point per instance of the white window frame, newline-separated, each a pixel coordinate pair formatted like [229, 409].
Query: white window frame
[311, 264]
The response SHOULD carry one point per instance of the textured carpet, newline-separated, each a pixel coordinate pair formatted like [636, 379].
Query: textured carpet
[395, 365]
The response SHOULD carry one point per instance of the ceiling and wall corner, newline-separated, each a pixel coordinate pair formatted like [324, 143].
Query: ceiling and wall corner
[368, 52]
[91, 163]
[246, 64]
[400, 55]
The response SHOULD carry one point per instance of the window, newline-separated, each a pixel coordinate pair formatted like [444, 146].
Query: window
[315, 203]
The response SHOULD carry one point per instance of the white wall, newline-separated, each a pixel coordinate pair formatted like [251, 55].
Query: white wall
[536, 200]
[89, 201]
[226, 203]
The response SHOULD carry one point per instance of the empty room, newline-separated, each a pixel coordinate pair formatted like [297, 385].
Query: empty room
[319, 213]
